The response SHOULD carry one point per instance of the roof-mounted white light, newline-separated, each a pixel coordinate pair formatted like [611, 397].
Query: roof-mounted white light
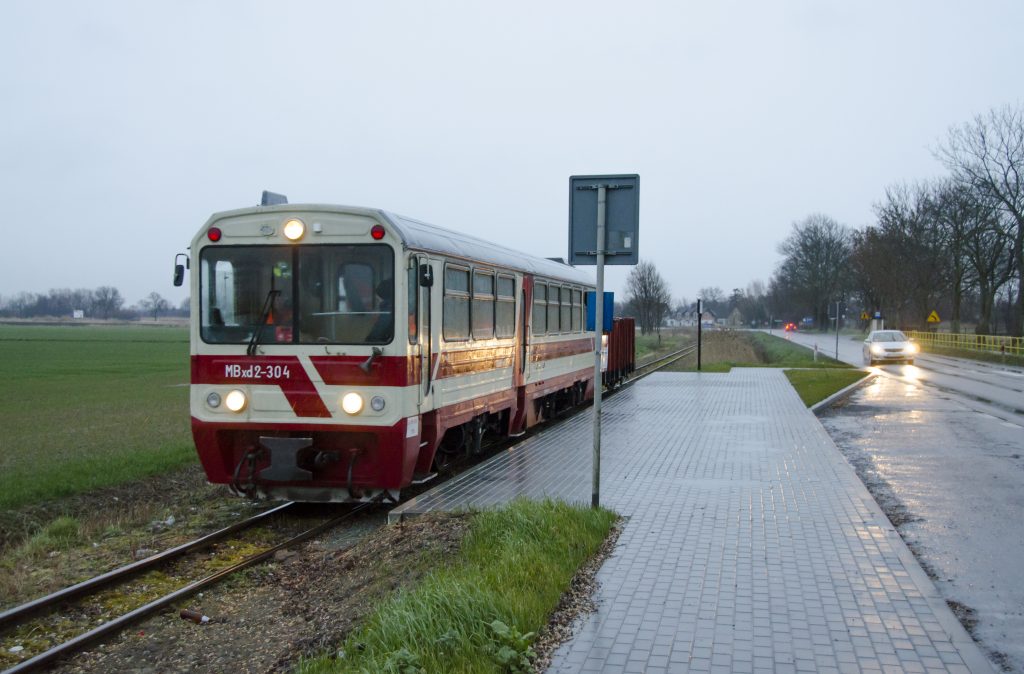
[294, 229]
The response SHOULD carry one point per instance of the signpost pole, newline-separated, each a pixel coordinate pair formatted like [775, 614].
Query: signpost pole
[837, 329]
[700, 319]
[617, 211]
[595, 492]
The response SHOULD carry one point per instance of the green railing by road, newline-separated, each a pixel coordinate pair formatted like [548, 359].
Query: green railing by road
[1011, 346]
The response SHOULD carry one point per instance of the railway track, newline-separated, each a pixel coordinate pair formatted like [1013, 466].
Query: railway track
[13, 617]
[654, 364]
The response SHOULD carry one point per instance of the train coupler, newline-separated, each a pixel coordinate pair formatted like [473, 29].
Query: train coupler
[284, 459]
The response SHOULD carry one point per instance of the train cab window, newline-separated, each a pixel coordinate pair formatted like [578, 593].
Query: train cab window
[333, 294]
[577, 306]
[505, 309]
[483, 305]
[553, 308]
[567, 304]
[244, 288]
[540, 309]
[455, 320]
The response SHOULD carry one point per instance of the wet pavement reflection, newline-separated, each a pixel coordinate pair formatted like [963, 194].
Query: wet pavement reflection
[951, 478]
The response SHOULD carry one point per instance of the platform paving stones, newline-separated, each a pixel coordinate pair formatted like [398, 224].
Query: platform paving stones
[750, 546]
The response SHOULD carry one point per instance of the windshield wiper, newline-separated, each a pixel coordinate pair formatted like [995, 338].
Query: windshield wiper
[268, 305]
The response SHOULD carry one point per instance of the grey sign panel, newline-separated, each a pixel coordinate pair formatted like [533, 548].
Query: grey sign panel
[622, 219]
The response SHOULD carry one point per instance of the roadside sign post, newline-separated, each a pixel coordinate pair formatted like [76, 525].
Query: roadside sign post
[617, 200]
[837, 317]
[700, 320]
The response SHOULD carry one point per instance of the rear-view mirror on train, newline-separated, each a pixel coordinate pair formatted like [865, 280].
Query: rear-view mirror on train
[426, 275]
[179, 269]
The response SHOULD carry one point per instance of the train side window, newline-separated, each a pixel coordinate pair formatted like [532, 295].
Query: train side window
[540, 309]
[455, 319]
[577, 306]
[566, 309]
[483, 305]
[412, 284]
[553, 309]
[505, 311]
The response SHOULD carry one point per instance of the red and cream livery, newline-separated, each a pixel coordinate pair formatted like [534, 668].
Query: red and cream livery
[342, 353]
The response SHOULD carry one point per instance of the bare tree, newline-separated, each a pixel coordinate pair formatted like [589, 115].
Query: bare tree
[988, 154]
[907, 221]
[107, 301]
[813, 272]
[648, 296]
[154, 304]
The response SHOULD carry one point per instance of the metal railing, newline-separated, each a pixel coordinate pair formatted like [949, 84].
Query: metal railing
[999, 344]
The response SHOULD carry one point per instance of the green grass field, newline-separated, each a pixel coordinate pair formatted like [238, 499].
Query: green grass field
[88, 407]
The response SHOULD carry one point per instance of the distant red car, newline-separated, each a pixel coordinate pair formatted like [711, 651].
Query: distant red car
[790, 327]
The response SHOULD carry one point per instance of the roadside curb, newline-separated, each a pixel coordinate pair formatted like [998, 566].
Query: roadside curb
[842, 393]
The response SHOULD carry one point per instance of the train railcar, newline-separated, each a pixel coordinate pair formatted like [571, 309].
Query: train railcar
[621, 347]
[343, 353]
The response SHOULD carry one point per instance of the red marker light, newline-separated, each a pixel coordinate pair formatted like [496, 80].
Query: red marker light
[213, 234]
[377, 232]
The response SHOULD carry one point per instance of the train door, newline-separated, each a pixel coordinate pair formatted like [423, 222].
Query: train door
[524, 326]
[517, 423]
[424, 289]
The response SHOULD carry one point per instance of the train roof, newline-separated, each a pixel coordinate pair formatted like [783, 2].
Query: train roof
[424, 236]
[418, 235]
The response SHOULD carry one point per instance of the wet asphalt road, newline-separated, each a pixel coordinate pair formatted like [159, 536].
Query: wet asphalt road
[941, 445]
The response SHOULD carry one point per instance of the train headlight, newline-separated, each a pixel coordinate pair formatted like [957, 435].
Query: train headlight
[352, 403]
[294, 229]
[213, 400]
[377, 403]
[235, 401]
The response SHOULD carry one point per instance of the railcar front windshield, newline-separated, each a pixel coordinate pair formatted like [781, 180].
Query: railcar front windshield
[323, 294]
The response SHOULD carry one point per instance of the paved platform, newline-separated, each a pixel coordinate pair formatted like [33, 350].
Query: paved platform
[750, 545]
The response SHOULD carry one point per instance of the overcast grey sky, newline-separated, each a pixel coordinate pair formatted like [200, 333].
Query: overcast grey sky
[124, 125]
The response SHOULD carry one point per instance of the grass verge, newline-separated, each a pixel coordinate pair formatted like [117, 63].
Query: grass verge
[481, 610]
[813, 386]
[984, 356]
[724, 350]
[779, 352]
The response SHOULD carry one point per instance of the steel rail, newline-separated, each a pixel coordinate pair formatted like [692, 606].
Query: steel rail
[670, 358]
[70, 646]
[38, 605]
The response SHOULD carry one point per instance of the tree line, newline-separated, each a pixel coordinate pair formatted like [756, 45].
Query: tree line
[105, 302]
[953, 246]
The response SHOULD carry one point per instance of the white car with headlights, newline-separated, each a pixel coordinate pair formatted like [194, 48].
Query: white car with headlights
[889, 346]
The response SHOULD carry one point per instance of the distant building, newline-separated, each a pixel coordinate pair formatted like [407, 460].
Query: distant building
[689, 318]
[78, 313]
